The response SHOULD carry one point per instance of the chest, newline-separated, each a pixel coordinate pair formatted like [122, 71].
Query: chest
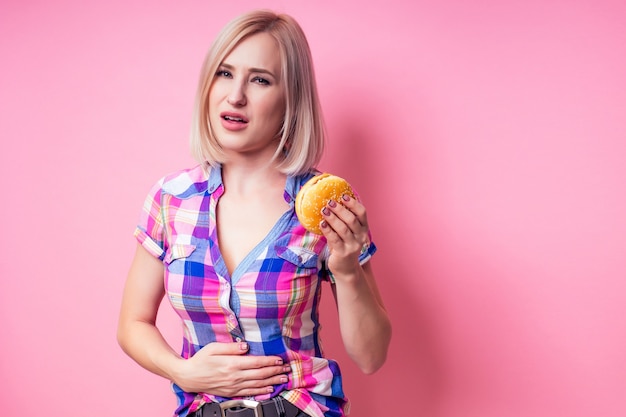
[242, 225]
[273, 263]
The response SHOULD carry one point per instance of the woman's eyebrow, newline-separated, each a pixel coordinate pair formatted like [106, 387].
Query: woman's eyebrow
[250, 70]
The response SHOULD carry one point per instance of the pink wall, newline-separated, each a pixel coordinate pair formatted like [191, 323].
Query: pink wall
[487, 139]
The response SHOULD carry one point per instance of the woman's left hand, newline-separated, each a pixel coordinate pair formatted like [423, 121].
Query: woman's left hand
[363, 321]
[347, 233]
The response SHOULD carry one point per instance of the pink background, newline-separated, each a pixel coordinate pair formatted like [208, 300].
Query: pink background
[487, 139]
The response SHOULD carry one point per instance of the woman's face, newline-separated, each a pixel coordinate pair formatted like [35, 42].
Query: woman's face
[247, 98]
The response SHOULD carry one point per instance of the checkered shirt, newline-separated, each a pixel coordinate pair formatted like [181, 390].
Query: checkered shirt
[271, 300]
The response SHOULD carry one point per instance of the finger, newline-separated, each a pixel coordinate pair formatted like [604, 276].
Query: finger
[235, 390]
[248, 391]
[234, 355]
[333, 228]
[340, 240]
[356, 207]
[342, 220]
[259, 362]
[247, 383]
[217, 348]
[352, 212]
[355, 217]
[271, 374]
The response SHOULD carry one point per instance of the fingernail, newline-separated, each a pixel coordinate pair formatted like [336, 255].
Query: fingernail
[243, 346]
[279, 361]
[270, 389]
[323, 224]
[332, 203]
[284, 379]
[287, 368]
[345, 197]
[325, 211]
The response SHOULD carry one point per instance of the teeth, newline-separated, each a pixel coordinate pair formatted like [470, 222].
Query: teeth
[234, 119]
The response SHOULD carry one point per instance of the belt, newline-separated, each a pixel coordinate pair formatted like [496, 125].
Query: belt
[276, 407]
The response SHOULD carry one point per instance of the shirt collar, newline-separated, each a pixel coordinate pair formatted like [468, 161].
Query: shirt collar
[215, 179]
[292, 185]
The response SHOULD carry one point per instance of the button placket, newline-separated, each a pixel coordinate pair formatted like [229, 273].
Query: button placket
[232, 322]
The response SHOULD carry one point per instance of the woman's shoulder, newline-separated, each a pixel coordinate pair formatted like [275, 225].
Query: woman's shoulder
[301, 179]
[295, 182]
[186, 182]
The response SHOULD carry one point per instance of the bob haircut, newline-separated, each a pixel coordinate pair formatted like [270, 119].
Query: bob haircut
[302, 134]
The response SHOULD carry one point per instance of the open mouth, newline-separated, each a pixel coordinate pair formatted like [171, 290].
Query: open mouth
[234, 118]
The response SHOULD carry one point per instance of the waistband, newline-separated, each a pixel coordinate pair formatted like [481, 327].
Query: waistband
[275, 407]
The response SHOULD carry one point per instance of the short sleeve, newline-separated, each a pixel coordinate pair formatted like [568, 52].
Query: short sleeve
[365, 255]
[367, 252]
[368, 249]
[150, 228]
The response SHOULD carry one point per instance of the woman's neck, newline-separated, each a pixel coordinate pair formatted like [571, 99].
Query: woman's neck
[250, 178]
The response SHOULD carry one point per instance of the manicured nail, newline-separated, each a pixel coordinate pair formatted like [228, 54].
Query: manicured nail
[284, 379]
[332, 203]
[323, 224]
[279, 361]
[270, 389]
[326, 211]
[345, 197]
[243, 346]
[287, 368]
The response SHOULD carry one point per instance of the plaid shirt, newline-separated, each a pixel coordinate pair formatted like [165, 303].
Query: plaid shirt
[271, 300]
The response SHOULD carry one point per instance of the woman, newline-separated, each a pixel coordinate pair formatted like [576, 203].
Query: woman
[240, 270]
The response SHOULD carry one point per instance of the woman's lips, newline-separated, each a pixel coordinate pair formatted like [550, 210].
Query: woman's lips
[233, 121]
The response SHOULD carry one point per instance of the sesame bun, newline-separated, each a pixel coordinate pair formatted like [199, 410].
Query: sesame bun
[315, 194]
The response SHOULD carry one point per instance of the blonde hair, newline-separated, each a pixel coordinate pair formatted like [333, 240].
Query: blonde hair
[302, 134]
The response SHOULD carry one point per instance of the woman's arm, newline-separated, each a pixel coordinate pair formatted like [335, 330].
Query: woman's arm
[218, 368]
[364, 324]
[363, 321]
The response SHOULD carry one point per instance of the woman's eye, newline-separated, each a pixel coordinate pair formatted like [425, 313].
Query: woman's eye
[261, 81]
[223, 73]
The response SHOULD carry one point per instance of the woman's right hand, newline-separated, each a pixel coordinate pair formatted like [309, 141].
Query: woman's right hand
[224, 369]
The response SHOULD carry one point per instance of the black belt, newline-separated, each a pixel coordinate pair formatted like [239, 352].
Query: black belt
[276, 407]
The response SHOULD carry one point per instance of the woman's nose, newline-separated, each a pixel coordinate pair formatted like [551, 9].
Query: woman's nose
[237, 95]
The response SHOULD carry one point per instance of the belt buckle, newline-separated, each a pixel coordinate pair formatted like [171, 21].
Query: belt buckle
[254, 405]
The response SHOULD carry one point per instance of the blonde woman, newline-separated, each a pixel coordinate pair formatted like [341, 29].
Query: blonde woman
[222, 241]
